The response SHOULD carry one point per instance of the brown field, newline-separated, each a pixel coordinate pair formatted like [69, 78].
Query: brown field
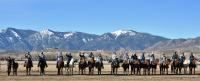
[51, 75]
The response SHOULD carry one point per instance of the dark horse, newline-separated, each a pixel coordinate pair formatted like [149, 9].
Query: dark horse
[125, 66]
[60, 66]
[91, 65]
[42, 64]
[145, 66]
[28, 64]
[164, 67]
[175, 67]
[82, 65]
[192, 66]
[135, 66]
[153, 65]
[12, 65]
[114, 66]
[99, 66]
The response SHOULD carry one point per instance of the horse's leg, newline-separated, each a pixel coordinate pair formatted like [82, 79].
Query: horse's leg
[116, 71]
[29, 71]
[180, 70]
[8, 71]
[58, 71]
[194, 70]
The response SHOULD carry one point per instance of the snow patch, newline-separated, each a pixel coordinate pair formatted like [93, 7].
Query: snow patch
[15, 33]
[84, 40]
[47, 32]
[120, 32]
[68, 35]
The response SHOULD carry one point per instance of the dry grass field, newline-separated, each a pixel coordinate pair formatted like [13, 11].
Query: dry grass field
[51, 75]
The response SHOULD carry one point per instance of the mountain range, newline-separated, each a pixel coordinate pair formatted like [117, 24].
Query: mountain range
[29, 40]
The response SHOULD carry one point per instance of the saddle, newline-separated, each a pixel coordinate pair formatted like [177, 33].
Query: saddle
[125, 62]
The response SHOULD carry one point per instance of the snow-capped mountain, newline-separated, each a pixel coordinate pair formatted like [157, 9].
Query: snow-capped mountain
[26, 40]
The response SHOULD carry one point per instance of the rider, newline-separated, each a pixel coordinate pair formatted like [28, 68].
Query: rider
[100, 60]
[142, 58]
[152, 58]
[68, 58]
[191, 58]
[114, 57]
[134, 57]
[43, 58]
[125, 57]
[29, 58]
[91, 56]
[82, 55]
[174, 57]
[59, 57]
[182, 58]
[163, 59]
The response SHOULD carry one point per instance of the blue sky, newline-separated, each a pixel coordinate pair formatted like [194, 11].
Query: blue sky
[168, 18]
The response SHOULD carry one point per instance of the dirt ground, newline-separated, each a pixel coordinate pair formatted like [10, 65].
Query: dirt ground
[51, 75]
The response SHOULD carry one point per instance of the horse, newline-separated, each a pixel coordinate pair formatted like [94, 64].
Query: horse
[99, 66]
[176, 67]
[28, 64]
[114, 66]
[135, 66]
[12, 64]
[164, 67]
[42, 64]
[145, 66]
[153, 66]
[91, 65]
[125, 66]
[69, 67]
[60, 65]
[82, 65]
[192, 66]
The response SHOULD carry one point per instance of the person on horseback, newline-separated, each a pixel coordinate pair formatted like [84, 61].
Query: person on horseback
[82, 55]
[125, 57]
[42, 57]
[68, 58]
[91, 55]
[100, 60]
[114, 57]
[174, 57]
[191, 58]
[182, 58]
[142, 58]
[163, 59]
[59, 57]
[29, 58]
[152, 58]
[134, 57]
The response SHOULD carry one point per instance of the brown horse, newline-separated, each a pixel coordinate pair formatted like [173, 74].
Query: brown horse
[135, 66]
[164, 67]
[91, 65]
[82, 66]
[60, 66]
[192, 66]
[175, 67]
[28, 64]
[125, 66]
[145, 66]
[154, 66]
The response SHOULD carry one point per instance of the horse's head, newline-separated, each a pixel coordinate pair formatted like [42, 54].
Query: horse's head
[194, 61]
